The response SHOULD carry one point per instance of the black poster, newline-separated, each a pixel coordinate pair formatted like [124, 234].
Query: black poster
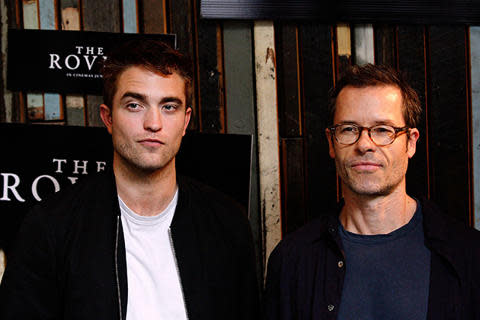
[62, 61]
[39, 160]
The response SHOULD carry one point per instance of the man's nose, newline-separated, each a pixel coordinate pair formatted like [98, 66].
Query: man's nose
[365, 143]
[153, 120]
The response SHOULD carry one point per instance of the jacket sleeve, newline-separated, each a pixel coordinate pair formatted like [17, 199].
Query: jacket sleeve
[29, 288]
[249, 288]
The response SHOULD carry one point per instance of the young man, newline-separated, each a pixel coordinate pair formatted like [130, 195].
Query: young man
[383, 255]
[136, 243]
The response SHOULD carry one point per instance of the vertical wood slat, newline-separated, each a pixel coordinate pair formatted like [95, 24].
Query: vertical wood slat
[181, 23]
[317, 54]
[475, 83]
[267, 124]
[104, 16]
[75, 104]
[343, 48]
[363, 44]
[154, 16]
[288, 82]
[35, 103]
[48, 21]
[412, 62]
[210, 74]
[293, 185]
[448, 120]
[385, 45]
[240, 99]
[15, 110]
[130, 14]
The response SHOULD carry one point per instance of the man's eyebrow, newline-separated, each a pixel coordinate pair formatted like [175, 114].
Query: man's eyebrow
[134, 95]
[171, 99]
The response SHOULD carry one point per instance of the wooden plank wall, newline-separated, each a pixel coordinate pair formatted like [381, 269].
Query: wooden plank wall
[305, 61]
[436, 60]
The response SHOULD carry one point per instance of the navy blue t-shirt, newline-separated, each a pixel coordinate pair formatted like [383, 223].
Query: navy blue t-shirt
[387, 275]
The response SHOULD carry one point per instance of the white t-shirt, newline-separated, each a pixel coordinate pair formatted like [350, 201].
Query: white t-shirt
[154, 288]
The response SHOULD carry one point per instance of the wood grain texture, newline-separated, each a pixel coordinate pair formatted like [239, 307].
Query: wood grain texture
[48, 21]
[267, 126]
[35, 103]
[363, 44]
[475, 84]
[343, 45]
[210, 78]
[181, 22]
[448, 120]
[105, 16]
[316, 47]
[288, 82]
[240, 100]
[154, 16]
[293, 185]
[74, 104]
[385, 45]
[412, 62]
[130, 16]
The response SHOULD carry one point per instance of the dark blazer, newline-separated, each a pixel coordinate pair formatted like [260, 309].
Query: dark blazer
[69, 261]
[305, 278]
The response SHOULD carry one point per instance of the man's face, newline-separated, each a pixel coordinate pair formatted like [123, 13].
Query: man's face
[367, 169]
[148, 119]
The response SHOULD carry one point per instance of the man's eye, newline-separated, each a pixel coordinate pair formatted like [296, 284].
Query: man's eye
[383, 130]
[133, 106]
[169, 107]
[348, 129]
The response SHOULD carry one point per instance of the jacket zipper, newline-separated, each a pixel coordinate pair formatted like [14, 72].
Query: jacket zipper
[116, 270]
[178, 270]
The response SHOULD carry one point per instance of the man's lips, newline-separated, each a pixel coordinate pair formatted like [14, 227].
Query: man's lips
[151, 142]
[368, 166]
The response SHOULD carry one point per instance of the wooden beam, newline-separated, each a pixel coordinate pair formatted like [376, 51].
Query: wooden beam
[268, 139]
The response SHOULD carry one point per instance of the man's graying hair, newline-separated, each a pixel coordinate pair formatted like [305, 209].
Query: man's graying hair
[379, 75]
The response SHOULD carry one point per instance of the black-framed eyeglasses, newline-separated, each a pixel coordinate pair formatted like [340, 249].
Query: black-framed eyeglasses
[381, 135]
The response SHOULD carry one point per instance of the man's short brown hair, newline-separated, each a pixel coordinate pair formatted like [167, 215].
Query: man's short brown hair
[379, 75]
[153, 55]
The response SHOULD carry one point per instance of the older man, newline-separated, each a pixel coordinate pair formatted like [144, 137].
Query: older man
[384, 254]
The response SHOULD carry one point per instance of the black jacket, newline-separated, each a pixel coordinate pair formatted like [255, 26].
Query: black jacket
[69, 261]
[306, 270]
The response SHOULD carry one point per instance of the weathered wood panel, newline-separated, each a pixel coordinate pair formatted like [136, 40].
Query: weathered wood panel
[154, 16]
[475, 84]
[288, 80]
[267, 124]
[317, 54]
[240, 101]
[293, 185]
[412, 61]
[449, 121]
[385, 45]
[181, 22]
[343, 48]
[210, 77]
[105, 16]
[35, 103]
[48, 21]
[75, 104]
[364, 48]
[130, 16]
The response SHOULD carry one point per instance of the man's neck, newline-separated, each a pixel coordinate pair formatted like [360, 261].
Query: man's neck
[376, 215]
[146, 193]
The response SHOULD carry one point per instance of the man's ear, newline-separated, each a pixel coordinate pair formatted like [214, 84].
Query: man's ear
[106, 115]
[188, 115]
[331, 150]
[413, 136]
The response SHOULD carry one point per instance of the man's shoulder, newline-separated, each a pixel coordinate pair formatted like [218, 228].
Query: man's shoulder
[311, 234]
